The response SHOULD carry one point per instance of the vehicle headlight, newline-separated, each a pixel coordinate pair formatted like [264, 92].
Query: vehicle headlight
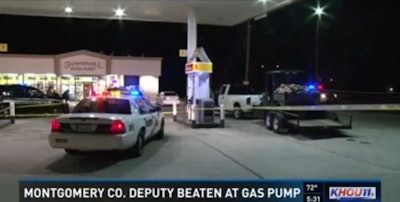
[335, 95]
[323, 96]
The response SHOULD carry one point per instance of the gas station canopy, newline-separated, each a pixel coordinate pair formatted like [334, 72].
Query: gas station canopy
[209, 12]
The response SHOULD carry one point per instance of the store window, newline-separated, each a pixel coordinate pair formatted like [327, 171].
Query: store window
[9, 79]
[113, 81]
[41, 81]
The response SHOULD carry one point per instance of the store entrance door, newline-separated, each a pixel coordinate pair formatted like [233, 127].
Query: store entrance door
[83, 90]
[87, 90]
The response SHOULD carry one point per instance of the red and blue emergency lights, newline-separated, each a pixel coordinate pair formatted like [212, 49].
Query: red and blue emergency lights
[135, 93]
[318, 87]
[311, 87]
[124, 91]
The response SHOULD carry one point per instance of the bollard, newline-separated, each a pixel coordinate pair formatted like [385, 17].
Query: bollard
[222, 115]
[193, 116]
[12, 112]
[188, 112]
[174, 111]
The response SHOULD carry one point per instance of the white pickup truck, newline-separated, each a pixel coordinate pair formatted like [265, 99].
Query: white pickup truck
[239, 99]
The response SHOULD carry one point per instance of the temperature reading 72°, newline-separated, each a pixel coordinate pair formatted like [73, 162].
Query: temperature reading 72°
[311, 187]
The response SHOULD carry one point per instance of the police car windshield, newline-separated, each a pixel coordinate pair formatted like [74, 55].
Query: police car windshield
[103, 105]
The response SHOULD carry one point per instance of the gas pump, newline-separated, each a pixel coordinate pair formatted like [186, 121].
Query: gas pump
[199, 105]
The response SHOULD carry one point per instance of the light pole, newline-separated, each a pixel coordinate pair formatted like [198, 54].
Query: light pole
[248, 41]
[319, 11]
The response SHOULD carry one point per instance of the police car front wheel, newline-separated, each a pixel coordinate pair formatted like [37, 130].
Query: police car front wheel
[160, 134]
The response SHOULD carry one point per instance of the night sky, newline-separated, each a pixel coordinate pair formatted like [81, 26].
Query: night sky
[358, 43]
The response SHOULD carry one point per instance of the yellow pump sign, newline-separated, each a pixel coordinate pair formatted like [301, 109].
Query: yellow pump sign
[3, 47]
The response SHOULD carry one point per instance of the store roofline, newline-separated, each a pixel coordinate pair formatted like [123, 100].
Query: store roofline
[80, 52]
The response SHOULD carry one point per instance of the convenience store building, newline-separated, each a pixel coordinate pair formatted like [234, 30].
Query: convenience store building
[81, 72]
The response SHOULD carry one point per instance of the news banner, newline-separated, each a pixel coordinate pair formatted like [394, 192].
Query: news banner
[200, 190]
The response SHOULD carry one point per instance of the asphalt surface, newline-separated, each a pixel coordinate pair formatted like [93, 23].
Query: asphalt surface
[242, 150]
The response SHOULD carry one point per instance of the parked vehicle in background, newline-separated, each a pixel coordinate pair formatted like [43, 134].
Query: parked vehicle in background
[24, 95]
[292, 88]
[239, 99]
[167, 98]
[327, 97]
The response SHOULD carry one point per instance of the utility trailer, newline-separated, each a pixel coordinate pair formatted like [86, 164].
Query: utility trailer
[290, 88]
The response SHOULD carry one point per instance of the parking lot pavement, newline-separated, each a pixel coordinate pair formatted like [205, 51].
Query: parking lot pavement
[368, 151]
[244, 149]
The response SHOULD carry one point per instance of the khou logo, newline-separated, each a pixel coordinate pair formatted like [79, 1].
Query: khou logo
[366, 193]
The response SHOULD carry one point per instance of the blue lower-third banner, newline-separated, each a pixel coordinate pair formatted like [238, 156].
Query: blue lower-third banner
[200, 190]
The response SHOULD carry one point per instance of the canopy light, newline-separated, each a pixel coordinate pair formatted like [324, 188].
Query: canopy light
[68, 9]
[319, 11]
[119, 12]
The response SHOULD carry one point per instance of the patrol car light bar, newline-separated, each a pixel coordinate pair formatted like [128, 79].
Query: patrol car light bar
[129, 90]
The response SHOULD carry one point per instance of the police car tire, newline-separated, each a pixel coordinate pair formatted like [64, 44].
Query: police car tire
[160, 134]
[137, 149]
[72, 151]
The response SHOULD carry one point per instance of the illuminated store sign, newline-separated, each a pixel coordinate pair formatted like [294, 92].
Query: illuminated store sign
[83, 65]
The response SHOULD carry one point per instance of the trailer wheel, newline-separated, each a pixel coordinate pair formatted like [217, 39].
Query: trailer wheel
[333, 116]
[268, 120]
[279, 124]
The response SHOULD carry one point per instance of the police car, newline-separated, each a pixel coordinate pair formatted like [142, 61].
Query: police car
[104, 123]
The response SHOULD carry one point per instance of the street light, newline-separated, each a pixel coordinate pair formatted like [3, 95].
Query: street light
[319, 11]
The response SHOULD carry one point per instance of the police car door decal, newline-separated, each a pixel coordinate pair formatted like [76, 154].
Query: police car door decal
[154, 117]
[149, 121]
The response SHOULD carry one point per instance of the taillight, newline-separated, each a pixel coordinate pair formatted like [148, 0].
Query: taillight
[248, 101]
[117, 127]
[55, 125]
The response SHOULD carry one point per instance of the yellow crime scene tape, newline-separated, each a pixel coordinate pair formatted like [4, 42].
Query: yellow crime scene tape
[37, 105]
[31, 115]
[347, 107]
[4, 109]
